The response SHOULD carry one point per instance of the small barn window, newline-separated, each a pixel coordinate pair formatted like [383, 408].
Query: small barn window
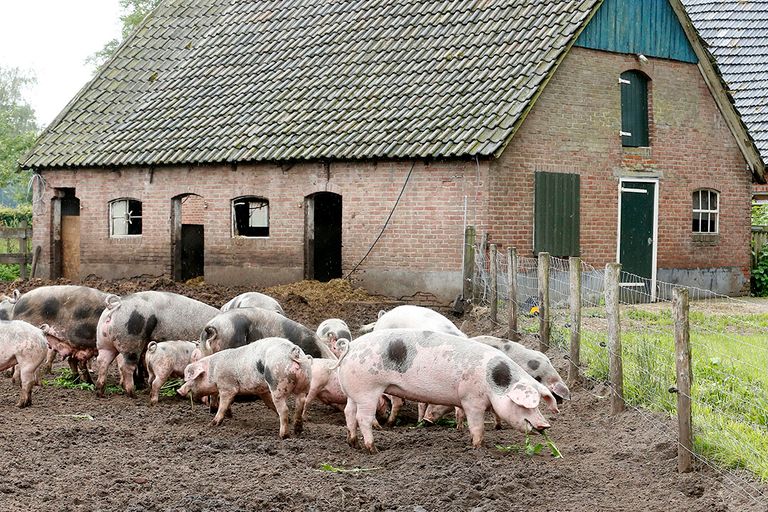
[124, 217]
[634, 109]
[250, 216]
[706, 211]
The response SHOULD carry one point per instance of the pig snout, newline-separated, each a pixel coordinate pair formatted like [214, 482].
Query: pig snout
[184, 389]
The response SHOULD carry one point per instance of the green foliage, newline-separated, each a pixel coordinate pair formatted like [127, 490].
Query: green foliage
[64, 379]
[169, 388]
[760, 214]
[13, 217]
[333, 469]
[530, 449]
[17, 134]
[133, 13]
[759, 279]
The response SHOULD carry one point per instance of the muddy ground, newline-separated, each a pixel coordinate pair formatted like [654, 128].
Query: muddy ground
[72, 451]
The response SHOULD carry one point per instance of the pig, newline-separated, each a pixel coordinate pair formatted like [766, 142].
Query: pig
[254, 300]
[71, 314]
[166, 359]
[24, 346]
[414, 317]
[325, 387]
[6, 305]
[129, 323]
[272, 369]
[535, 363]
[332, 330]
[238, 327]
[441, 369]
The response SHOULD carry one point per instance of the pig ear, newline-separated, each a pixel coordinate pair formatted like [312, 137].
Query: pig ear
[16, 295]
[193, 372]
[208, 333]
[524, 395]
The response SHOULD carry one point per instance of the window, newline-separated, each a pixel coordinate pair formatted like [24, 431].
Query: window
[706, 209]
[556, 213]
[250, 216]
[634, 109]
[124, 217]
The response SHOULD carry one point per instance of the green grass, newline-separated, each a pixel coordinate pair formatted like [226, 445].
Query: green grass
[63, 378]
[730, 380]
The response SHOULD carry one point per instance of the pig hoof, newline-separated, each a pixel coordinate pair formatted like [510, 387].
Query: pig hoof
[21, 404]
[298, 428]
[352, 441]
[285, 436]
[372, 449]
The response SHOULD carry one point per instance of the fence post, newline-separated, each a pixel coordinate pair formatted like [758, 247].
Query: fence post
[683, 364]
[469, 263]
[544, 301]
[494, 286]
[612, 271]
[575, 296]
[478, 286]
[24, 251]
[512, 299]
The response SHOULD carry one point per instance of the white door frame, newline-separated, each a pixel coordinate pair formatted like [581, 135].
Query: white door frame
[655, 182]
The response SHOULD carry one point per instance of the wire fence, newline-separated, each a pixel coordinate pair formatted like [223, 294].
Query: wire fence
[729, 346]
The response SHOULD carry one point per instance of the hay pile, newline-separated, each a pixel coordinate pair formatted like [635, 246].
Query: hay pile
[336, 291]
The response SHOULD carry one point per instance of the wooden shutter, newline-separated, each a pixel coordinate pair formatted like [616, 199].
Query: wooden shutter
[634, 109]
[556, 215]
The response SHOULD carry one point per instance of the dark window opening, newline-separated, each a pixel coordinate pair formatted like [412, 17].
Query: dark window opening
[706, 210]
[251, 217]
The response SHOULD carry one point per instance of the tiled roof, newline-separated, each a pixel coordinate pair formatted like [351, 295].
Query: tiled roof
[249, 80]
[736, 32]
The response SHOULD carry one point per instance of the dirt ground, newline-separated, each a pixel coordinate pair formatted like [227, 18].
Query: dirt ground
[73, 452]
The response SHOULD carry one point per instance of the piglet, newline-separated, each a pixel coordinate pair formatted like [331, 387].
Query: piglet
[441, 369]
[164, 360]
[271, 368]
[333, 330]
[413, 317]
[23, 345]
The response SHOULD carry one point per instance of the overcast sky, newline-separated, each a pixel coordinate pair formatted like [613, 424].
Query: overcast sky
[52, 39]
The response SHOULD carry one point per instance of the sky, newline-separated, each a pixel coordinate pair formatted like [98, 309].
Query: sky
[52, 39]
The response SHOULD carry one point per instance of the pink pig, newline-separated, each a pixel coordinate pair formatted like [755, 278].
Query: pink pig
[24, 345]
[166, 359]
[437, 368]
[271, 368]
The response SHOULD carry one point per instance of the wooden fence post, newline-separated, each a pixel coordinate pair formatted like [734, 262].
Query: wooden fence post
[469, 263]
[24, 251]
[494, 286]
[512, 298]
[575, 303]
[612, 272]
[684, 378]
[544, 324]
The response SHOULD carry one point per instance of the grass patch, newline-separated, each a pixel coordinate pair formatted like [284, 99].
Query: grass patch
[730, 382]
[64, 379]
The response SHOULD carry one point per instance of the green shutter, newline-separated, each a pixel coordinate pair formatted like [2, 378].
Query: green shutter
[556, 214]
[634, 109]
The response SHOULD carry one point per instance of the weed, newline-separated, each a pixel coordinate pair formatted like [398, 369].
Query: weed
[333, 469]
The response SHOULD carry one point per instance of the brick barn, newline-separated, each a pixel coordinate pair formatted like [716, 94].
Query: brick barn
[265, 142]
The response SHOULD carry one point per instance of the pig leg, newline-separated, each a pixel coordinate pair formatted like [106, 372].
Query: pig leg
[27, 373]
[103, 360]
[282, 411]
[298, 419]
[127, 369]
[460, 419]
[157, 380]
[366, 412]
[497, 425]
[73, 367]
[85, 375]
[397, 404]
[225, 400]
[350, 414]
[476, 421]
[48, 364]
[422, 411]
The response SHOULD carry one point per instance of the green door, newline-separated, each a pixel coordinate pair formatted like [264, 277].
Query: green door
[636, 245]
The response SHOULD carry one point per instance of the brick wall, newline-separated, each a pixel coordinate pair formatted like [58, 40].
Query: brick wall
[574, 127]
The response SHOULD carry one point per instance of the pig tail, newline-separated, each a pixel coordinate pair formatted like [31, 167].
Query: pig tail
[343, 346]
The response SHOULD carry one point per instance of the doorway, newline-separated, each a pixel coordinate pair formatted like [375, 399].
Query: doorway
[322, 243]
[187, 237]
[638, 214]
[66, 235]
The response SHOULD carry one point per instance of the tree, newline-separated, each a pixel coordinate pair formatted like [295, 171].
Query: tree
[133, 13]
[17, 134]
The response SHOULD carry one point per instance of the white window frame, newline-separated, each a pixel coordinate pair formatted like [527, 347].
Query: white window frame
[124, 214]
[708, 211]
